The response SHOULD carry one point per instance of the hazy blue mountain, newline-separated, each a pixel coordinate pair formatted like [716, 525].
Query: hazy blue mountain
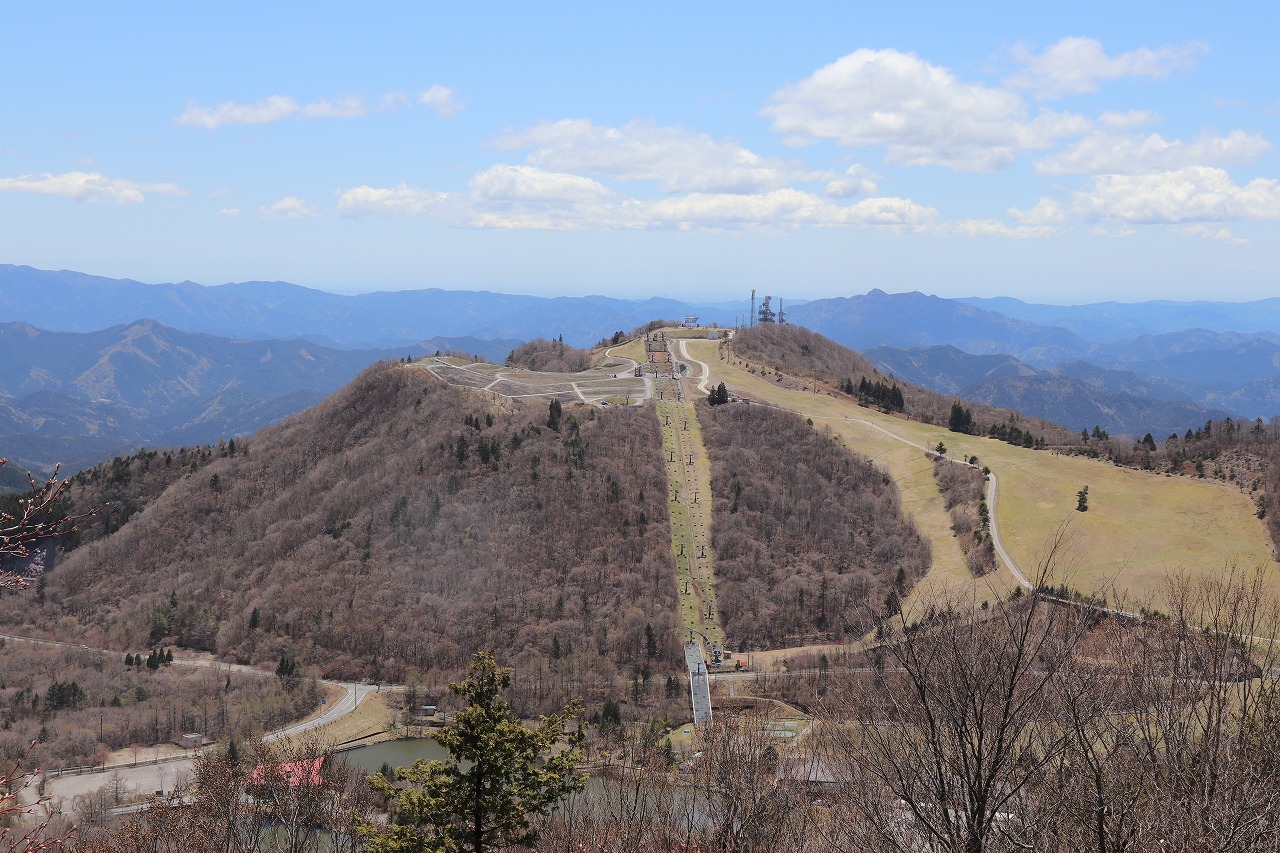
[1257, 399]
[1115, 321]
[1074, 403]
[905, 320]
[77, 398]
[495, 350]
[945, 369]
[1128, 382]
[75, 302]
[1170, 352]
[1106, 357]
[1155, 347]
[1077, 394]
[1215, 366]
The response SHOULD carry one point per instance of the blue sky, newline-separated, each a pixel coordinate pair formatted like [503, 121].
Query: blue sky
[1074, 154]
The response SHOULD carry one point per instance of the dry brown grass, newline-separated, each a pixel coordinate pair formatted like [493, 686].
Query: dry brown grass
[1140, 526]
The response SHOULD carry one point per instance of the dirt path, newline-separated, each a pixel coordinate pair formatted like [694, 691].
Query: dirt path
[689, 476]
[588, 386]
[704, 377]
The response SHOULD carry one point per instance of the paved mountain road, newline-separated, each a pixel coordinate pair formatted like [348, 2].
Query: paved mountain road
[162, 772]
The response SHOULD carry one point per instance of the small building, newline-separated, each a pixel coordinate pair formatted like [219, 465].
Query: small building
[307, 773]
[190, 741]
[810, 773]
[690, 322]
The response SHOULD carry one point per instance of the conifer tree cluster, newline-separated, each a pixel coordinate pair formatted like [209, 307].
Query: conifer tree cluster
[1015, 435]
[62, 695]
[961, 419]
[887, 397]
[153, 661]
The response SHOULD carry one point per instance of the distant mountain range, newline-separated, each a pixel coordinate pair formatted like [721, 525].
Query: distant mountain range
[1118, 321]
[1131, 368]
[1091, 397]
[77, 398]
[74, 302]
[1125, 367]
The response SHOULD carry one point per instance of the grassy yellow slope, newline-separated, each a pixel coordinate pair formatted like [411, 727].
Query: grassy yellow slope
[1139, 528]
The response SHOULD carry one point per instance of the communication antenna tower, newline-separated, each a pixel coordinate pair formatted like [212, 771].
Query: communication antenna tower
[751, 318]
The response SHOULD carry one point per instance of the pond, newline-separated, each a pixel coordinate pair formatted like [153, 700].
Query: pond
[396, 753]
[402, 753]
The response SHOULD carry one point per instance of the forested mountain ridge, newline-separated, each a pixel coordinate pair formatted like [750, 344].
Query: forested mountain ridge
[404, 523]
[809, 537]
[401, 523]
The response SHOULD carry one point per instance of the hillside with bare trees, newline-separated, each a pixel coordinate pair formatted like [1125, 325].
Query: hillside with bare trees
[401, 524]
[809, 538]
[551, 356]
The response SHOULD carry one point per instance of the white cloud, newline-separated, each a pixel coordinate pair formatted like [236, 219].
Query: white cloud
[517, 196]
[279, 107]
[86, 186]
[267, 110]
[527, 184]
[1106, 153]
[506, 196]
[994, 228]
[288, 207]
[1127, 119]
[1189, 194]
[677, 159]
[1046, 212]
[229, 212]
[857, 180]
[1210, 232]
[886, 211]
[921, 113]
[443, 100]
[1076, 65]
[402, 200]
[788, 208]
[1102, 231]
[349, 107]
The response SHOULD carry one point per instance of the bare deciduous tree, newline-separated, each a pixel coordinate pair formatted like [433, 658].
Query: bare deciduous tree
[34, 519]
[23, 826]
[953, 734]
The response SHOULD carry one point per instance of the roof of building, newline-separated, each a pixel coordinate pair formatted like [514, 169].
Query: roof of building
[295, 774]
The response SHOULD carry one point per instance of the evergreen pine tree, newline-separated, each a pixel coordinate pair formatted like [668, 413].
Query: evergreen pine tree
[512, 772]
[650, 643]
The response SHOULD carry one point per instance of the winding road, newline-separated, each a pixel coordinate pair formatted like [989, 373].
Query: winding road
[993, 482]
[163, 772]
[635, 365]
[993, 489]
[706, 370]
